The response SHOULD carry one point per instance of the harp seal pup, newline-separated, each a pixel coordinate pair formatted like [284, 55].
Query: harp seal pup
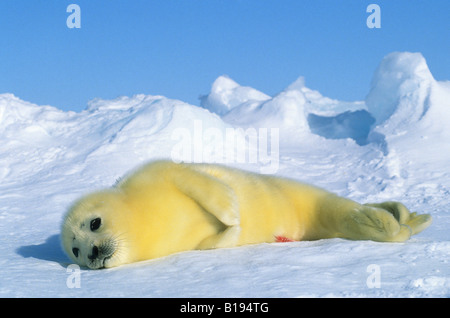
[164, 208]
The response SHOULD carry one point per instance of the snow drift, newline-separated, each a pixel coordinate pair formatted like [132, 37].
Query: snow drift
[400, 87]
[395, 145]
[405, 97]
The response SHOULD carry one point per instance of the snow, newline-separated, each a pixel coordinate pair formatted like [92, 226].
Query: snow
[400, 86]
[394, 145]
[226, 94]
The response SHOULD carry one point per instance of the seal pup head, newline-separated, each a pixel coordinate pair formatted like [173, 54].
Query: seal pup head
[93, 232]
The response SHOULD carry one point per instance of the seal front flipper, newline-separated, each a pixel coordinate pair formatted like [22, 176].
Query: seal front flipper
[215, 197]
[210, 193]
[228, 238]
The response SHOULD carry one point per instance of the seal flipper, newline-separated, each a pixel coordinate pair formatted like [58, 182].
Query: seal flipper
[220, 200]
[417, 222]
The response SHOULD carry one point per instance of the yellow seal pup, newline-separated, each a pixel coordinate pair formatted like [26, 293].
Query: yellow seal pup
[164, 208]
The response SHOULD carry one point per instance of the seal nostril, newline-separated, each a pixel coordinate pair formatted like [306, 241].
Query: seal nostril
[94, 253]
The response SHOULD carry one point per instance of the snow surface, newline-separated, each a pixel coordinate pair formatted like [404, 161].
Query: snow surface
[395, 145]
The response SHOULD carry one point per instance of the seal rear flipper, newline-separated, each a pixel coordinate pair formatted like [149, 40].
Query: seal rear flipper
[397, 209]
[416, 222]
[419, 222]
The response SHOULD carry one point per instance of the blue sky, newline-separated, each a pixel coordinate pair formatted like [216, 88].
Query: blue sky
[177, 48]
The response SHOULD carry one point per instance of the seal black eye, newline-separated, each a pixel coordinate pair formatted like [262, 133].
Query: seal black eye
[75, 251]
[95, 224]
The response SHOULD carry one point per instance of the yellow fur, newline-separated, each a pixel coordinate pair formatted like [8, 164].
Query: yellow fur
[164, 208]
